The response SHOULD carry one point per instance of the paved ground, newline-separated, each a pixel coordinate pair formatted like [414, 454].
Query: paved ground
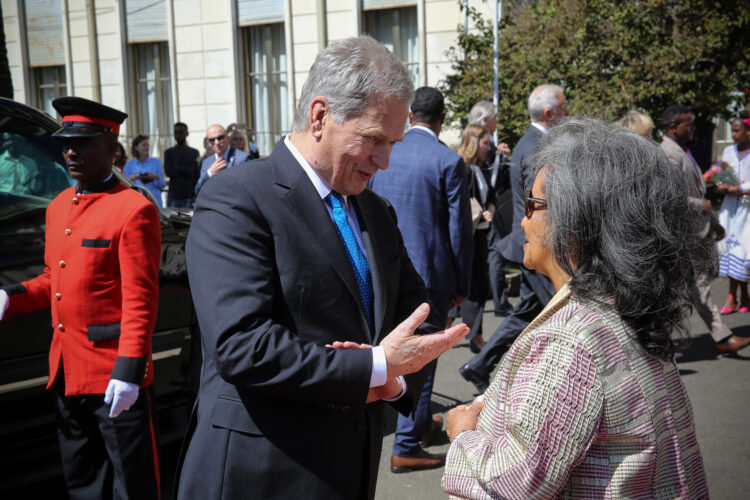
[718, 388]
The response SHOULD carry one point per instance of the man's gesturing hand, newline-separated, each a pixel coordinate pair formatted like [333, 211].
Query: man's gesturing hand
[408, 353]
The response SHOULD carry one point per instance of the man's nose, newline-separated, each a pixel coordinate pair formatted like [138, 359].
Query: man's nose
[381, 156]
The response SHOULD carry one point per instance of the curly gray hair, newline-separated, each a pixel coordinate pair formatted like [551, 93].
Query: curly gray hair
[620, 225]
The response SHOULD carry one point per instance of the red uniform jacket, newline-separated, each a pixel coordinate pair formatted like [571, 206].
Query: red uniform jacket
[101, 279]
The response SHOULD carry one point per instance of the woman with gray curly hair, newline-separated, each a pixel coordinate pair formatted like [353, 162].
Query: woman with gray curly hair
[588, 402]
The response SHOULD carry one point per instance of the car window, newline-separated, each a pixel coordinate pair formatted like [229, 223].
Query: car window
[31, 166]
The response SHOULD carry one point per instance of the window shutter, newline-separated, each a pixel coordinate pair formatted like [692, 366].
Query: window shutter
[45, 32]
[251, 12]
[386, 4]
[146, 20]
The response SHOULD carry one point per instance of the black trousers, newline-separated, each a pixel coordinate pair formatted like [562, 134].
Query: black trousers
[103, 457]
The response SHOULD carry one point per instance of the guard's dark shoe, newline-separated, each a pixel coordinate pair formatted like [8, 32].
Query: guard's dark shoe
[732, 344]
[432, 435]
[481, 382]
[423, 460]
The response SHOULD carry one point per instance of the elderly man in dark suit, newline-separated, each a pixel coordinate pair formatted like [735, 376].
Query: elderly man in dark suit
[297, 271]
[427, 185]
[547, 104]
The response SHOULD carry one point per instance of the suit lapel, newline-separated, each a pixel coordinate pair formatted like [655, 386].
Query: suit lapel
[308, 208]
[374, 257]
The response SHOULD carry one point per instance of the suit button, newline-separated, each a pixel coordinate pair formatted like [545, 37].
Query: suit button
[61, 327]
[68, 231]
[62, 263]
[75, 201]
[58, 296]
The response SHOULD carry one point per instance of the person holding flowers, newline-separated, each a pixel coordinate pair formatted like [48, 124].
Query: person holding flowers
[734, 250]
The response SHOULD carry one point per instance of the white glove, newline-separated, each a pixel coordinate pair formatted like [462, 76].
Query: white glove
[4, 303]
[121, 394]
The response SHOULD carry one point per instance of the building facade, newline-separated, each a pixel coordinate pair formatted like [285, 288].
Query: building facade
[208, 61]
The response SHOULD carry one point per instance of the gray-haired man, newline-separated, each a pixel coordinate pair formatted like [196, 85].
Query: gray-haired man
[547, 104]
[301, 271]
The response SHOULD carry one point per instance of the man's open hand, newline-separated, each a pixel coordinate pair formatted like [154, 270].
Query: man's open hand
[408, 353]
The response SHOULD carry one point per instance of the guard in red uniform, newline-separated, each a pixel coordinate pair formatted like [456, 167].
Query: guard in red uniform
[103, 244]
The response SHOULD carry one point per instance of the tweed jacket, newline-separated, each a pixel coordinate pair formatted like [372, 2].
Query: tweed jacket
[579, 410]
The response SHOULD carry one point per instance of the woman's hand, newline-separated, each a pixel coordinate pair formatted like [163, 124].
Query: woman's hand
[463, 418]
[487, 216]
[727, 189]
[134, 177]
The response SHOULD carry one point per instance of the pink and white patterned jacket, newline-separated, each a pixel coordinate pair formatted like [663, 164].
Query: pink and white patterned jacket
[579, 410]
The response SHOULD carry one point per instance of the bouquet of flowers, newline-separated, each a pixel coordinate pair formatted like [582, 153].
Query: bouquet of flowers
[721, 173]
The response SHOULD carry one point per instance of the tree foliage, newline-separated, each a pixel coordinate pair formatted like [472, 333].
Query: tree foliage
[609, 56]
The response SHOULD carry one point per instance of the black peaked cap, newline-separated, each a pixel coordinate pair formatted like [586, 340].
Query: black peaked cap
[86, 118]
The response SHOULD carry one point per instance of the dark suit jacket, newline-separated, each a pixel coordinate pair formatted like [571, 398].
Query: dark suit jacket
[279, 415]
[426, 184]
[511, 246]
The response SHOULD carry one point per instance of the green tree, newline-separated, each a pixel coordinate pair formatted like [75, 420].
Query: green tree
[609, 56]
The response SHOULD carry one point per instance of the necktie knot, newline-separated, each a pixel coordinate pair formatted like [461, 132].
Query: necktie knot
[335, 200]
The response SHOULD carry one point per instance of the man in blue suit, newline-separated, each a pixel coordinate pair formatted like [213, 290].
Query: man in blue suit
[224, 156]
[428, 188]
[547, 104]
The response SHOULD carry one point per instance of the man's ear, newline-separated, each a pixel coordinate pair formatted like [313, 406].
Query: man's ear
[547, 113]
[319, 113]
[411, 118]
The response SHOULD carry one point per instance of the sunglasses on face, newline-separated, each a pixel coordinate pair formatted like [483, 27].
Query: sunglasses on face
[532, 204]
[211, 140]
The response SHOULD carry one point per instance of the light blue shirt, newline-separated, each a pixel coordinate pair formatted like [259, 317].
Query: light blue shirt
[152, 166]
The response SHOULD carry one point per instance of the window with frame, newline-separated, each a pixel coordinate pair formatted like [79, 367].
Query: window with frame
[153, 94]
[266, 85]
[397, 29]
[49, 84]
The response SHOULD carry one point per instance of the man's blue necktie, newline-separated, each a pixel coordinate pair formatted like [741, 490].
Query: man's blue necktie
[356, 257]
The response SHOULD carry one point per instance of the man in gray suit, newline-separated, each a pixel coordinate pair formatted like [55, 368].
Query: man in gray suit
[298, 271]
[547, 104]
[678, 121]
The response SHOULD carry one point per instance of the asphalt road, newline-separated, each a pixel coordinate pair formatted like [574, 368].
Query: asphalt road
[718, 387]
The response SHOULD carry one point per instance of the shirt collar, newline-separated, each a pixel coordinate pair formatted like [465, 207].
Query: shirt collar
[541, 128]
[107, 184]
[428, 130]
[321, 186]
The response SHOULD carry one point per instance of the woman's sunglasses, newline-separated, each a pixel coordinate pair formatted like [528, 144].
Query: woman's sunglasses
[532, 204]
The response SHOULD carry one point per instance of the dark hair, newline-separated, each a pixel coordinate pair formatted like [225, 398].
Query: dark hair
[138, 139]
[620, 226]
[741, 117]
[179, 124]
[672, 114]
[123, 154]
[428, 105]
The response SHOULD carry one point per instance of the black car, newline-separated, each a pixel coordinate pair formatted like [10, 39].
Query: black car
[32, 173]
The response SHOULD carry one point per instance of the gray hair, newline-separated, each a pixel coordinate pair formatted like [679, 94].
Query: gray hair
[480, 112]
[620, 226]
[541, 98]
[347, 73]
